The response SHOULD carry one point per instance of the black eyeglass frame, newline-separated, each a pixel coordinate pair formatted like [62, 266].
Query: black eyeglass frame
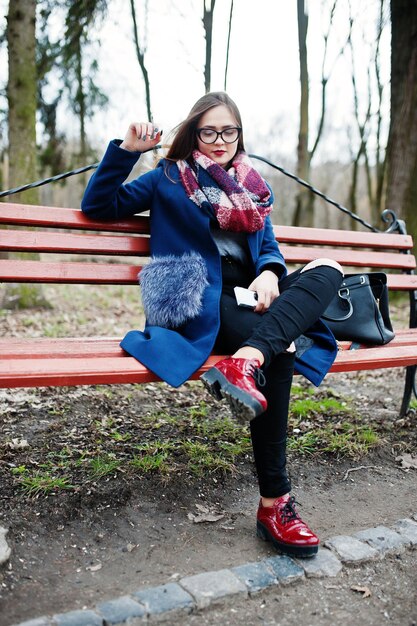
[219, 134]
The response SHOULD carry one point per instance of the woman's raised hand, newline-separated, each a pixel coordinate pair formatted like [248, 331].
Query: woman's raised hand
[141, 136]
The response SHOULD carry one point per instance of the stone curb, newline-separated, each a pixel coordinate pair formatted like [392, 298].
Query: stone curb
[5, 549]
[193, 593]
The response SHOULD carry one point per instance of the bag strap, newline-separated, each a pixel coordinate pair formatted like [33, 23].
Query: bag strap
[344, 295]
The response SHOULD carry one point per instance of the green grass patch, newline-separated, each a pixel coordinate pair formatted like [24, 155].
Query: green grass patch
[154, 456]
[299, 390]
[325, 424]
[107, 427]
[150, 463]
[40, 483]
[202, 460]
[103, 465]
[305, 407]
[215, 429]
[232, 451]
[159, 419]
[181, 435]
[346, 439]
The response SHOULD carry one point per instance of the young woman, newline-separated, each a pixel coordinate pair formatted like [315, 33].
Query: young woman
[210, 232]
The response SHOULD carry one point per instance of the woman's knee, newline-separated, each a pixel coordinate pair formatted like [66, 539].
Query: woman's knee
[323, 262]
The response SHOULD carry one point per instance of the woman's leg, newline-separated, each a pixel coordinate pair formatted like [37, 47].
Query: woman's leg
[277, 519]
[269, 430]
[304, 296]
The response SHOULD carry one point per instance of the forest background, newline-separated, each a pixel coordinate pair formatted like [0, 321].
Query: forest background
[327, 89]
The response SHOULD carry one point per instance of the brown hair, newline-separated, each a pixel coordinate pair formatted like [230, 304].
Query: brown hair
[185, 140]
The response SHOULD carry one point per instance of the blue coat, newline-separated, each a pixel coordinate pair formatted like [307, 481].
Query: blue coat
[179, 226]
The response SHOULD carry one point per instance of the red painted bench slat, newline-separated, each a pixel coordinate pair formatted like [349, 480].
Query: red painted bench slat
[69, 371]
[16, 270]
[26, 241]
[42, 347]
[328, 236]
[81, 347]
[51, 217]
[353, 258]
[78, 273]
[402, 282]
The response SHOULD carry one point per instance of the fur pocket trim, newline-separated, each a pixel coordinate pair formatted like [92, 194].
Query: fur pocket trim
[172, 289]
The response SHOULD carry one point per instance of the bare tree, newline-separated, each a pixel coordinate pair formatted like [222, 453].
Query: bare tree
[402, 142]
[140, 54]
[372, 116]
[304, 210]
[303, 207]
[21, 95]
[51, 152]
[380, 154]
[363, 131]
[78, 74]
[228, 45]
[208, 10]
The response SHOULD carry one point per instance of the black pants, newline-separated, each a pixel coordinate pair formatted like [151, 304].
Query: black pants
[303, 298]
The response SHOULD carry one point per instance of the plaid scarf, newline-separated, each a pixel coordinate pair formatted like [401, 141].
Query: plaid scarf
[240, 197]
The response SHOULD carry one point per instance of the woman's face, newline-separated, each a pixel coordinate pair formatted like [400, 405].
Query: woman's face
[218, 118]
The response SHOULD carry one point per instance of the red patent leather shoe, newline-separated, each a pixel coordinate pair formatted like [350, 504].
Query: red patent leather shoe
[282, 525]
[234, 379]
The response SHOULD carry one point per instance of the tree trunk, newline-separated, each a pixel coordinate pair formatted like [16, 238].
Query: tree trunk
[402, 143]
[140, 55]
[303, 211]
[22, 99]
[380, 155]
[80, 98]
[228, 45]
[21, 96]
[208, 29]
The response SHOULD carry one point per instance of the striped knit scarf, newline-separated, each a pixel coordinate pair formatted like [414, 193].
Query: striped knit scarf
[240, 198]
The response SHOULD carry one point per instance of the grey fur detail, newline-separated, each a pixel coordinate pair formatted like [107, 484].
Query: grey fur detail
[172, 289]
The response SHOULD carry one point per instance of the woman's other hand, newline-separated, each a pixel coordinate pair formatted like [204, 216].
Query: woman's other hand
[141, 136]
[266, 286]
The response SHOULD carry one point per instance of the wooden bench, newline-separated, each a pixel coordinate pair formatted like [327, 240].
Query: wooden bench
[34, 362]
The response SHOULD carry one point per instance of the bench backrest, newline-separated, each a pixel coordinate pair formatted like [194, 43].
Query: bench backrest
[53, 231]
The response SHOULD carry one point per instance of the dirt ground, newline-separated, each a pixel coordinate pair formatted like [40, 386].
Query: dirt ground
[389, 597]
[73, 549]
[119, 531]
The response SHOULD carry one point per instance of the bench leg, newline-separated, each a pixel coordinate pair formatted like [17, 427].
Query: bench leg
[410, 387]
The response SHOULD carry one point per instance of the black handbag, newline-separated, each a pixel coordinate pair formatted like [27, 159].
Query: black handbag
[360, 312]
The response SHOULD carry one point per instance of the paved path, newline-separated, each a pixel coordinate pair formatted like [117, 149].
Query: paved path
[173, 601]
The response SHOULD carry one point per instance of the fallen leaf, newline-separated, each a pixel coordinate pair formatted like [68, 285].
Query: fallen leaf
[18, 444]
[202, 508]
[205, 517]
[407, 461]
[364, 590]
[94, 568]
[131, 546]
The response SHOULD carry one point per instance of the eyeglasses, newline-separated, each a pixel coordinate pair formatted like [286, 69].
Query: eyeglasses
[228, 135]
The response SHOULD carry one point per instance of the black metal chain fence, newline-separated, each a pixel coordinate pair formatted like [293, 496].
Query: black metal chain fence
[300, 181]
